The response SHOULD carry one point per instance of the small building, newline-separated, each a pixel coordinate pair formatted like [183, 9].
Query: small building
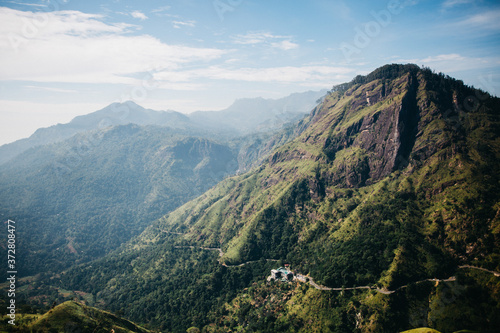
[275, 274]
[282, 274]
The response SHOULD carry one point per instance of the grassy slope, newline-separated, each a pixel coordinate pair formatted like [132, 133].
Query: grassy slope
[72, 317]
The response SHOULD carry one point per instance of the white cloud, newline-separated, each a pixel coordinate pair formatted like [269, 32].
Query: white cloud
[443, 57]
[254, 38]
[51, 89]
[266, 39]
[30, 25]
[450, 63]
[161, 9]
[139, 15]
[70, 46]
[285, 45]
[180, 24]
[27, 4]
[452, 3]
[487, 20]
[287, 74]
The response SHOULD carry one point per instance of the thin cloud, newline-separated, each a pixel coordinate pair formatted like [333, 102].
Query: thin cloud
[253, 38]
[266, 39]
[443, 57]
[180, 24]
[487, 20]
[163, 12]
[161, 9]
[80, 48]
[453, 62]
[285, 45]
[453, 3]
[49, 24]
[27, 4]
[58, 90]
[139, 15]
[285, 74]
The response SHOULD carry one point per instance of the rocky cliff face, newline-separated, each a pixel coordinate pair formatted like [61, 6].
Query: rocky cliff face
[384, 133]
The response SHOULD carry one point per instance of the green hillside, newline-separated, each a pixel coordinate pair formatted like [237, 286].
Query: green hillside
[77, 200]
[75, 317]
[392, 185]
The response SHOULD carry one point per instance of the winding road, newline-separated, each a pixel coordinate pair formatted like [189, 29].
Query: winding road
[220, 255]
[310, 280]
[384, 291]
[481, 269]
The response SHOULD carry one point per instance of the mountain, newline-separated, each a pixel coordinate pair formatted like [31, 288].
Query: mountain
[258, 114]
[114, 114]
[81, 197]
[78, 199]
[242, 118]
[387, 200]
[75, 317]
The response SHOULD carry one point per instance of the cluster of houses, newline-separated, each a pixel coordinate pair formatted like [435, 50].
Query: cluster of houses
[281, 274]
[285, 274]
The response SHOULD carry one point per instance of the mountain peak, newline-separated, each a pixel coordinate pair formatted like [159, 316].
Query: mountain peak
[386, 72]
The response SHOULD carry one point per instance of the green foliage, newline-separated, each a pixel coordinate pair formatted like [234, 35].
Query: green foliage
[71, 317]
[74, 316]
[169, 288]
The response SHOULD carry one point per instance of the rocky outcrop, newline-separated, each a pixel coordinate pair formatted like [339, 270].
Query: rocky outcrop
[382, 138]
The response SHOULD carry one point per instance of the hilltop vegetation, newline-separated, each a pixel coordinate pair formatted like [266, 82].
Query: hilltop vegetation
[75, 317]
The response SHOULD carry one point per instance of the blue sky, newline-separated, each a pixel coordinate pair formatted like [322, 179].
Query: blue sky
[63, 58]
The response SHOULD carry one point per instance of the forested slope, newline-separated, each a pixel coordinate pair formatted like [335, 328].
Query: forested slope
[394, 179]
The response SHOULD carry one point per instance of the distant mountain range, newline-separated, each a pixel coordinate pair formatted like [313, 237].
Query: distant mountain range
[258, 114]
[90, 185]
[243, 117]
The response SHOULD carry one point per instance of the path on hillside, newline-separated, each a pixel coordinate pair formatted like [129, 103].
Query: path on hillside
[481, 269]
[310, 280]
[220, 255]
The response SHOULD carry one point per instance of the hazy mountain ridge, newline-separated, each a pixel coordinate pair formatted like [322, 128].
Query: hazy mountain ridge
[391, 181]
[112, 115]
[242, 118]
[78, 199]
[98, 189]
[259, 114]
